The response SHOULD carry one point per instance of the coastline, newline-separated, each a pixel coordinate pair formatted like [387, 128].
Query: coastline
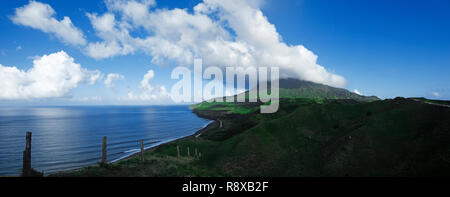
[205, 128]
[210, 125]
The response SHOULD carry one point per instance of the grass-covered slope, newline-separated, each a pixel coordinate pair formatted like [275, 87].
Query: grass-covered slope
[235, 108]
[397, 137]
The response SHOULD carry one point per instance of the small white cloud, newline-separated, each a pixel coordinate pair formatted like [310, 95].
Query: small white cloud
[149, 93]
[51, 76]
[436, 94]
[96, 99]
[116, 38]
[83, 99]
[88, 99]
[101, 50]
[41, 16]
[18, 48]
[357, 92]
[94, 76]
[145, 83]
[110, 79]
[134, 11]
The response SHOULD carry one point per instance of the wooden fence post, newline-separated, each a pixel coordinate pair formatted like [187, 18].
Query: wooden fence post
[26, 168]
[178, 151]
[142, 150]
[104, 151]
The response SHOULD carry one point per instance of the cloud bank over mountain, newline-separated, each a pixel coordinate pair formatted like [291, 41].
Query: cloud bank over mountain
[222, 33]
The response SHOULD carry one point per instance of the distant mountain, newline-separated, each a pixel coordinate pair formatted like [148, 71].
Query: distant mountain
[290, 90]
[294, 88]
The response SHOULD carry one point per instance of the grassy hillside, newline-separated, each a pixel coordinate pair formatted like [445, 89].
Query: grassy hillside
[396, 137]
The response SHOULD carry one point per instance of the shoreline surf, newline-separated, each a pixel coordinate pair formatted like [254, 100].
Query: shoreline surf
[149, 148]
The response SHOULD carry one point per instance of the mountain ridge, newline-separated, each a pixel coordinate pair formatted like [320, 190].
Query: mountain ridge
[295, 88]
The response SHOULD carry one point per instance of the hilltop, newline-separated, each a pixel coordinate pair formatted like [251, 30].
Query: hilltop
[289, 89]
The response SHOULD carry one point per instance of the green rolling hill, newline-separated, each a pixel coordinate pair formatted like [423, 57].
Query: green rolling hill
[288, 89]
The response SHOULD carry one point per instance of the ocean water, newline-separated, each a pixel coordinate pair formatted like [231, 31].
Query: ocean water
[66, 138]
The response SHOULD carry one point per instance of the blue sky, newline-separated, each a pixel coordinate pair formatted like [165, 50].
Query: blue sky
[382, 48]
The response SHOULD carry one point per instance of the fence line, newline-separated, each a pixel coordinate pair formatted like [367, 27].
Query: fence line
[140, 148]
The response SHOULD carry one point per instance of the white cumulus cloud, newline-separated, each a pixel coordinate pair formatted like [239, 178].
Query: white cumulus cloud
[88, 99]
[41, 16]
[136, 12]
[111, 78]
[51, 76]
[222, 33]
[148, 92]
[116, 40]
[357, 92]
